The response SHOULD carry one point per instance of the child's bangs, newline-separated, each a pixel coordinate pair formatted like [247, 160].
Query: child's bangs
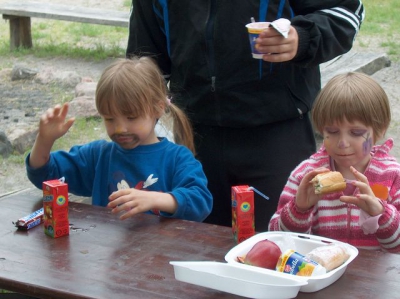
[336, 106]
[118, 104]
[344, 108]
[118, 97]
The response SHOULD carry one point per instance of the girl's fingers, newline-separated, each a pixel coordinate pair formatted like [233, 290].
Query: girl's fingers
[64, 110]
[49, 113]
[309, 176]
[69, 123]
[362, 182]
[55, 111]
[120, 198]
[118, 193]
[128, 210]
[364, 188]
[348, 199]
[358, 200]
[359, 176]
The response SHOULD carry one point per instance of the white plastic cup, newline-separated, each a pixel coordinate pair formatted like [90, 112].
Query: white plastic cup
[254, 30]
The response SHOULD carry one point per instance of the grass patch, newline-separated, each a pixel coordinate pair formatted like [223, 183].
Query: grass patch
[52, 38]
[381, 24]
[13, 159]
[5, 292]
[72, 40]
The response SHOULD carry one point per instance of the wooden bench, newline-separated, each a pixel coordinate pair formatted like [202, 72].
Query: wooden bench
[20, 14]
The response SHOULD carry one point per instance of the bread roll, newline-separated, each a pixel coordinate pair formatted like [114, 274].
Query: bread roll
[328, 182]
[329, 256]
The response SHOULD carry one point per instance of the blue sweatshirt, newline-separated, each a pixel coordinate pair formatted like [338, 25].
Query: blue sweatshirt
[99, 168]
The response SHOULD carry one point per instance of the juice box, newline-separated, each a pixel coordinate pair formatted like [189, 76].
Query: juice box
[55, 208]
[242, 213]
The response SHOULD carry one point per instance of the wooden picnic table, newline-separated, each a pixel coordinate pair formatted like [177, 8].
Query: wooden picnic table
[20, 14]
[104, 257]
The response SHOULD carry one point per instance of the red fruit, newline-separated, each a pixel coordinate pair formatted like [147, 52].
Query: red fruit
[264, 254]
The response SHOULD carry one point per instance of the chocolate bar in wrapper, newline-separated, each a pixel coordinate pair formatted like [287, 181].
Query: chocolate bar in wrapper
[30, 221]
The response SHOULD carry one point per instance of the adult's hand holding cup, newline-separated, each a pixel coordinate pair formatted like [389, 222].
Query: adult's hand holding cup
[254, 29]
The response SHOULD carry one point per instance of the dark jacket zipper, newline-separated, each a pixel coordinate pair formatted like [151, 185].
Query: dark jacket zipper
[210, 41]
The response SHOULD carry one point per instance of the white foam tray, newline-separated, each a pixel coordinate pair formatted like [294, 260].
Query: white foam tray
[246, 282]
[303, 243]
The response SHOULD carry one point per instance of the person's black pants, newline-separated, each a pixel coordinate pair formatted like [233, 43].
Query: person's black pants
[261, 157]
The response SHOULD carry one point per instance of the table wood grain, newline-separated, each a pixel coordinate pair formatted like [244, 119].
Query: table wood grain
[104, 257]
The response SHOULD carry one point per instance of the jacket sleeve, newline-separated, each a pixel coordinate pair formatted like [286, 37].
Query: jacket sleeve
[148, 33]
[287, 217]
[189, 188]
[388, 232]
[76, 166]
[326, 29]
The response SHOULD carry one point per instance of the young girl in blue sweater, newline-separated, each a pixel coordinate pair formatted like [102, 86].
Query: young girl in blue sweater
[136, 171]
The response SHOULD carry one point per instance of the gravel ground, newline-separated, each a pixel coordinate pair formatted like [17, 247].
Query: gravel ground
[33, 99]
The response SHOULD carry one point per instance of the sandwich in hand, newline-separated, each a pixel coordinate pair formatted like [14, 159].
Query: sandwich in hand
[328, 182]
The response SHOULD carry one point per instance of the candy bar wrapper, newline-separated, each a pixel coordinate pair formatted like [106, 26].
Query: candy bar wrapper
[282, 26]
[243, 226]
[30, 221]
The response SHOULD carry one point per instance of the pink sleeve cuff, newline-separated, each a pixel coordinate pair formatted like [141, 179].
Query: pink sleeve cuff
[369, 224]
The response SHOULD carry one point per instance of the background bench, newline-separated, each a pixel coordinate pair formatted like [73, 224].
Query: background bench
[20, 14]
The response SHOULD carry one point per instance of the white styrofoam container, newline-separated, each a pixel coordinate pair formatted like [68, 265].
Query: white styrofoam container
[303, 243]
[246, 282]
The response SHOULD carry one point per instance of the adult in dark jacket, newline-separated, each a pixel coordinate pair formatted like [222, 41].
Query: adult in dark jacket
[250, 116]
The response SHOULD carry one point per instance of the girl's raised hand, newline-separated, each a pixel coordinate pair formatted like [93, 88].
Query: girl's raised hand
[365, 199]
[306, 197]
[52, 126]
[53, 123]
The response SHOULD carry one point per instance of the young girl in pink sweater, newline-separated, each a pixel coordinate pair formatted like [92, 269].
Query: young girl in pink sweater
[352, 113]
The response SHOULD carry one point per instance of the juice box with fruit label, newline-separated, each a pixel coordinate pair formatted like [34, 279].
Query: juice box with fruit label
[55, 208]
[242, 213]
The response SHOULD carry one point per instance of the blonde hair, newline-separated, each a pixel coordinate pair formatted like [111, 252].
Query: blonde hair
[353, 97]
[136, 87]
